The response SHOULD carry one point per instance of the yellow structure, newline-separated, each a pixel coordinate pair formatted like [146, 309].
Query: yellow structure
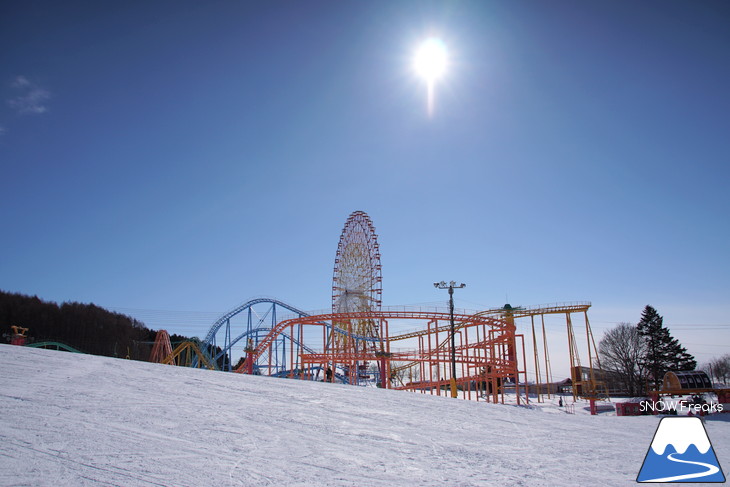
[586, 385]
[185, 355]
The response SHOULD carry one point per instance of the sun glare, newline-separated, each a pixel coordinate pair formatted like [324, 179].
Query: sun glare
[430, 63]
[431, 59]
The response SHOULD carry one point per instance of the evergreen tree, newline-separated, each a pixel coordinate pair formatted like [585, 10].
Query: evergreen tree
[663, 352]
[682, 359]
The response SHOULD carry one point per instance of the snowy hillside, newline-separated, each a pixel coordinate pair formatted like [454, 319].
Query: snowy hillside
[73, 420]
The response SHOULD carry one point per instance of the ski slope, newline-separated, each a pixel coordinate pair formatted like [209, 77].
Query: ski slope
[74, 420]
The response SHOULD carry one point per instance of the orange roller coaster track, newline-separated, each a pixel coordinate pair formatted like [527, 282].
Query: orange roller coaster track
[486, 349]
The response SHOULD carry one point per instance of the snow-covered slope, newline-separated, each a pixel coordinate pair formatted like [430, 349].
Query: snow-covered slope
[73, 420]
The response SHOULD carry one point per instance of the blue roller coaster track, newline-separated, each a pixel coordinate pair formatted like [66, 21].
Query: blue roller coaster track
[258, 324]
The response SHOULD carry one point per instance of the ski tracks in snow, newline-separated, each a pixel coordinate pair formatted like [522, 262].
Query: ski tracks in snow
[71, 420]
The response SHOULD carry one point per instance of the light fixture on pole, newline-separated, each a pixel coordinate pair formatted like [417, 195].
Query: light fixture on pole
[451, 286]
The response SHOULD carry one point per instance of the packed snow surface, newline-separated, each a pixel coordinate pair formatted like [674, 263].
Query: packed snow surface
[75, 420]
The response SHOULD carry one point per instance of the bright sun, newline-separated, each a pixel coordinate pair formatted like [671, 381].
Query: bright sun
[430, 63]
[431, 59]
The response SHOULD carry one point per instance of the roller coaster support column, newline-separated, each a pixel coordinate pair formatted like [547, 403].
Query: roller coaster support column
[452, 285]
[249, 357]
[382, 357]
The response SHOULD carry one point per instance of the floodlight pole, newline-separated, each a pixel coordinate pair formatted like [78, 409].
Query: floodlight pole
[451, 286]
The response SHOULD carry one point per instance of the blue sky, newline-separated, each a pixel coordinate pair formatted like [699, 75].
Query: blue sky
[175, 159]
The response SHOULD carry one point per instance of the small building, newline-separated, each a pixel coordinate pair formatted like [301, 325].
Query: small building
[686, 380]
[628, 409]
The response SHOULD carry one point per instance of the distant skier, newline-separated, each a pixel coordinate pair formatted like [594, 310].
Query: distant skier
[560, 402]
[329, 374]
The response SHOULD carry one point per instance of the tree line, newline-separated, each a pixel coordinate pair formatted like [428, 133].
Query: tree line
[86, 327]
[639, 355]
[719, 369]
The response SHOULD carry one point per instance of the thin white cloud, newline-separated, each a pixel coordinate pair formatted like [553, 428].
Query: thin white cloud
[20, 82]
[30, 97]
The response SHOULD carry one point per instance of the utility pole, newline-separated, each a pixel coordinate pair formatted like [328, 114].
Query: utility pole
[451, 286]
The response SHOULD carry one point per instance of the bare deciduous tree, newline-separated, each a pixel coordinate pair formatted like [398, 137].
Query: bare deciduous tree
[718, 368]
[621, 350]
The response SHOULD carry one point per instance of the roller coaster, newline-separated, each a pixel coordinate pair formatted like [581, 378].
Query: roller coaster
[361, 343]
[490, 353]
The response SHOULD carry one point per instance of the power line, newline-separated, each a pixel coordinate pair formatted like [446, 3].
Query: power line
[723, 325]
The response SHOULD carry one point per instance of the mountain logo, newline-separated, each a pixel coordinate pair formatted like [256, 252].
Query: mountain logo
[681, 452]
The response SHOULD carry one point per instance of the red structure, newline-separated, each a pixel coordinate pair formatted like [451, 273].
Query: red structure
[356, 286]
[723, 397]
[485, 349]
[353, 344]
[162, 347]
[248, 363]
[628, 409]
[689, 383]
[19, 336]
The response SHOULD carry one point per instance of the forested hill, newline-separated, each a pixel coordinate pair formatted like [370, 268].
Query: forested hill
[86, 327]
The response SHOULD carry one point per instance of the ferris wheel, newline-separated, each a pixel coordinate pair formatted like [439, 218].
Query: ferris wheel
[357, 279]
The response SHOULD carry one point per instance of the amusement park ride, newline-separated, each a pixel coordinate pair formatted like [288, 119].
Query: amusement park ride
[19, 336]
[476, 355]
[481, 353]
